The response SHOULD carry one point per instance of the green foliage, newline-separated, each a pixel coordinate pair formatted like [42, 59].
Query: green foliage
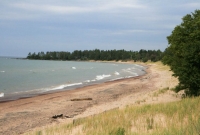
[149, 123]
[108, 55]
[39, 133]
[179, 87]
[183, 53]
[119, 131]
[163, 90]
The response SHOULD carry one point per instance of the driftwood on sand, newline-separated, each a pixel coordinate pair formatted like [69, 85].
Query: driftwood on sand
[57, 116]
[80, 99]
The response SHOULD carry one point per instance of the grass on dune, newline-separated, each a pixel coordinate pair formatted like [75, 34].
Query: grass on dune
[175, 118]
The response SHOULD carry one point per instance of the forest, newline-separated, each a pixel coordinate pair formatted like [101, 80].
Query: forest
[104, 55]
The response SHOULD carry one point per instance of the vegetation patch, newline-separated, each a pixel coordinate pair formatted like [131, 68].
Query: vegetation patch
[180, 117]
[182, 54]
[104, 55]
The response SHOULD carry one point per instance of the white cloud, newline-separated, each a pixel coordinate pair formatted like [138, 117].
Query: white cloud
[64, 9]
[37, 9]
[50, 8]
[191, 5]
[92, 23]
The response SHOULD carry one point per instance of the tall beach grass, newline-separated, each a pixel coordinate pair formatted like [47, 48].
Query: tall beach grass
[175, 118]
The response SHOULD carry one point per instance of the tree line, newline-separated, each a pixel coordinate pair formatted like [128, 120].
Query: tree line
[108, 55]
[182, 54]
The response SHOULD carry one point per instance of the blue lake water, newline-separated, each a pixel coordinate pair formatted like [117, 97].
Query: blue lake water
[21, 78]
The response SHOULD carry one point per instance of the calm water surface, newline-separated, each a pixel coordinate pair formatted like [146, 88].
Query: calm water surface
[24, 78]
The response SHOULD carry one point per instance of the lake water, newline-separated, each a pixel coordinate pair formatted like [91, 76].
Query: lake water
[24, 78]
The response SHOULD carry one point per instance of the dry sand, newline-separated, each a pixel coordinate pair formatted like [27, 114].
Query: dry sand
[23, 115]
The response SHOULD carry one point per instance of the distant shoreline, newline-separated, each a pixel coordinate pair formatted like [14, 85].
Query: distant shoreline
[13, 57]
[102, 61]
[23, 95]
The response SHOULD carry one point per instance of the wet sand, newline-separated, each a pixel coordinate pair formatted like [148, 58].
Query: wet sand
[23, 115]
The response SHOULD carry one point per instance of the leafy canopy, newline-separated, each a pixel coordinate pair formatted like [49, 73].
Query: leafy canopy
[183, 53]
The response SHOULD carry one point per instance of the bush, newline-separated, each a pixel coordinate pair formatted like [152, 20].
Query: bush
[183, 53]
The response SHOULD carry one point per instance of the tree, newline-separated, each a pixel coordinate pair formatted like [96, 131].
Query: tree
[183, 53]
[97, 54]
[29, 55]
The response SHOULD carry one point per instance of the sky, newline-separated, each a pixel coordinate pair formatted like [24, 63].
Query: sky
[68, 25]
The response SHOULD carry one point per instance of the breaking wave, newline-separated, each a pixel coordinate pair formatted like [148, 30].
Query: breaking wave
[67, 85]
[116, 73]
[100, 77]
[1, 94]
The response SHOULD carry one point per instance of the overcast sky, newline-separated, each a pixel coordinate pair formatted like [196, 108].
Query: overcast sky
[68, 25]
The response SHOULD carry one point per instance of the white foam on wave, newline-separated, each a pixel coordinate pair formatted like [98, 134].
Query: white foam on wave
[139, 66]
[131, 71]
[117, 79]
[1, 94]
[18, 92]
[116, 73]
[2, 71]
[87, 81]
[73, 67]
[100, 77]
[64, 86]
[129, 76]
[41, 90]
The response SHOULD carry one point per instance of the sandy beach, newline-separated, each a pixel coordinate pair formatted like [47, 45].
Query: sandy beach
[23, 115]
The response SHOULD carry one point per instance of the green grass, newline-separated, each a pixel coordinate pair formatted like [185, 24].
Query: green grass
[161, 91]
[176, 118]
